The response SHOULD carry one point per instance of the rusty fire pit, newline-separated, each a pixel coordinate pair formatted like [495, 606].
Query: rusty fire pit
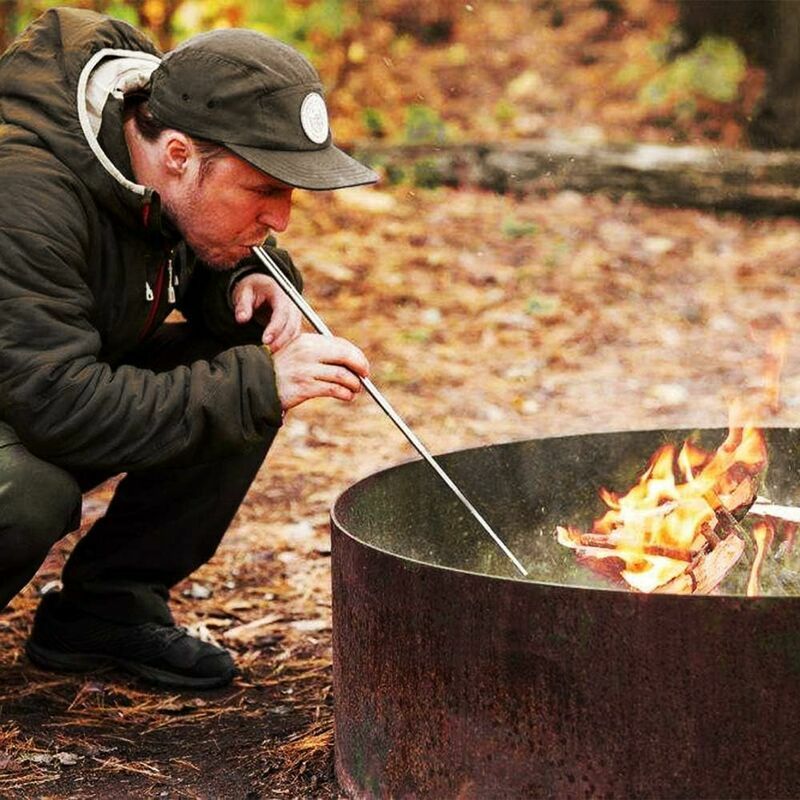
[455, 679]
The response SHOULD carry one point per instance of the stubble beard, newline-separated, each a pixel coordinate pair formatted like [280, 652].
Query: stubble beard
[183, 219]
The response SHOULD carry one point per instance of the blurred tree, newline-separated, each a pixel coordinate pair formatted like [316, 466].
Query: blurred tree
[8, 21]
[431, 22]
[157, 17]
[16, 14]
[769, 32]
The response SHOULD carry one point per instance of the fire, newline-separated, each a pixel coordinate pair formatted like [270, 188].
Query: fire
[670, 515]
[763, 533]
[779, 345]
[776, 347]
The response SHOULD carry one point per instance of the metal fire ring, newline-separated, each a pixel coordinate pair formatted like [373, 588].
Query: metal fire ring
[455, 679]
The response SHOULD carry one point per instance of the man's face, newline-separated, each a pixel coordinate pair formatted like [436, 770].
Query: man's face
[227, 208]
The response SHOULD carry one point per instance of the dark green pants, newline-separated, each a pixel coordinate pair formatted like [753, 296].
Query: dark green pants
[160, 525]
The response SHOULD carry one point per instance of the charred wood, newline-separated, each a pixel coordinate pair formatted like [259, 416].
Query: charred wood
[601, 540]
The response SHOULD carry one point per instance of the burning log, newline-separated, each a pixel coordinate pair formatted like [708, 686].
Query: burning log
[676, 530]
[696, 571]
[600, 540]
[708, 569]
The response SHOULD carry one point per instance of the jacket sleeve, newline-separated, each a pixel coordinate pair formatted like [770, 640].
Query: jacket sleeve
[208, 300]
[70, 408]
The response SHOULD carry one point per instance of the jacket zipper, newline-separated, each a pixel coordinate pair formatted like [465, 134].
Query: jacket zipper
[153, 296]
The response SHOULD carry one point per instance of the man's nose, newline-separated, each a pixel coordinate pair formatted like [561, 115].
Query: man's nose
[276, 212]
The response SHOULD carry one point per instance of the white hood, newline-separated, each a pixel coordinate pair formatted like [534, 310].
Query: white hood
[111, 73]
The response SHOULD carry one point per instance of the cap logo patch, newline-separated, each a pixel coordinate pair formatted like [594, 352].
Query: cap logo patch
[314, 117]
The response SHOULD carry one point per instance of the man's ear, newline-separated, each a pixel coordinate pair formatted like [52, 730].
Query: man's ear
[177, 153]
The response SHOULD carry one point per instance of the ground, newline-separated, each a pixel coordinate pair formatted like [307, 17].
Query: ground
[486, 319]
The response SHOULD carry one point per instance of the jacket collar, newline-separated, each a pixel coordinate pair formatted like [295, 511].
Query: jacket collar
[146, 208]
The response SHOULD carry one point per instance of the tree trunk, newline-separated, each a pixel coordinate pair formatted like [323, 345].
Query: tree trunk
[768, 31]
[776, 123]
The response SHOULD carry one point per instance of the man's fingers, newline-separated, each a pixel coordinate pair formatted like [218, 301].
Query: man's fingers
[318, 366]
[288, 331]
[342, 352]
[245, 300]
[273, 332]
[341, 393]
[340, 376]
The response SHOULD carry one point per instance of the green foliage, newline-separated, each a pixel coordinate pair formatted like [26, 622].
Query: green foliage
[458, 54]
[420, 335]
[504, 112]
[631, 73]
[539, 305]
[558, 252]
[713, 70]
[513, 228]
[373, 122]
[123, 11]
[25, 13]
[289, 21]
[427, 174]
[391, 374]
[424, 126]
[394, 174]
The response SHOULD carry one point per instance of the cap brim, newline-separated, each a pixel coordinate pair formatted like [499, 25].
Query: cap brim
[322, 170]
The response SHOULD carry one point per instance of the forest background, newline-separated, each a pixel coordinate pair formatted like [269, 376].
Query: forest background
[487, 317]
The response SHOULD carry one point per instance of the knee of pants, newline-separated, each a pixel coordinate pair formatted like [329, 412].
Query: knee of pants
[39, 503]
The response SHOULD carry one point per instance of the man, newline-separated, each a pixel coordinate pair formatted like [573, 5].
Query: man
[130, 186]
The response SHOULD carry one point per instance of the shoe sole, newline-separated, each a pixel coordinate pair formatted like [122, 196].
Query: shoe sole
[86, 662]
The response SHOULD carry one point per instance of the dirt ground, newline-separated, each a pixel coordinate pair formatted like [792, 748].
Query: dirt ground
[486, 319]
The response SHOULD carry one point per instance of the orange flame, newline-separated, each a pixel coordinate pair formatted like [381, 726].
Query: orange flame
[773, 335]
[776, 358]
[663, 521]
[763, 533]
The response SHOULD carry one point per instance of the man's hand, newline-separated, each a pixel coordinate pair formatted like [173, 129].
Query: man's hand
[259, 296]
[318, 366]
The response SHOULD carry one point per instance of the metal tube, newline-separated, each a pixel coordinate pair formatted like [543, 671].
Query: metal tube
[319, 325]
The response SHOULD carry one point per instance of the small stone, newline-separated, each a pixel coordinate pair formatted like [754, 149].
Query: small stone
[431, 316]
[530, 407]
[671, 394]
[199, 591]
[658, 245]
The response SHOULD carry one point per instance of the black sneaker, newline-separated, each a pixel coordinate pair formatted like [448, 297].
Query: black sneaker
[165, 655]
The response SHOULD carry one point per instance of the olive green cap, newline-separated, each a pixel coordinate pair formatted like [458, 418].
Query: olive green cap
[261, 99]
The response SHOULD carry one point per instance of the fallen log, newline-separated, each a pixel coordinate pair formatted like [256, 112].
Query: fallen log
[749, 181]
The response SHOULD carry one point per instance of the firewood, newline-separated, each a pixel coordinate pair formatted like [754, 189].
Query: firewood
[601, 540]
[708, 569]
[739, 499]
[727, 521]
[709, 534]
[610, 567]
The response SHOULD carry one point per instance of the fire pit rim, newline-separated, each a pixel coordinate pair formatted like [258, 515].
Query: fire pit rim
[342, 498]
